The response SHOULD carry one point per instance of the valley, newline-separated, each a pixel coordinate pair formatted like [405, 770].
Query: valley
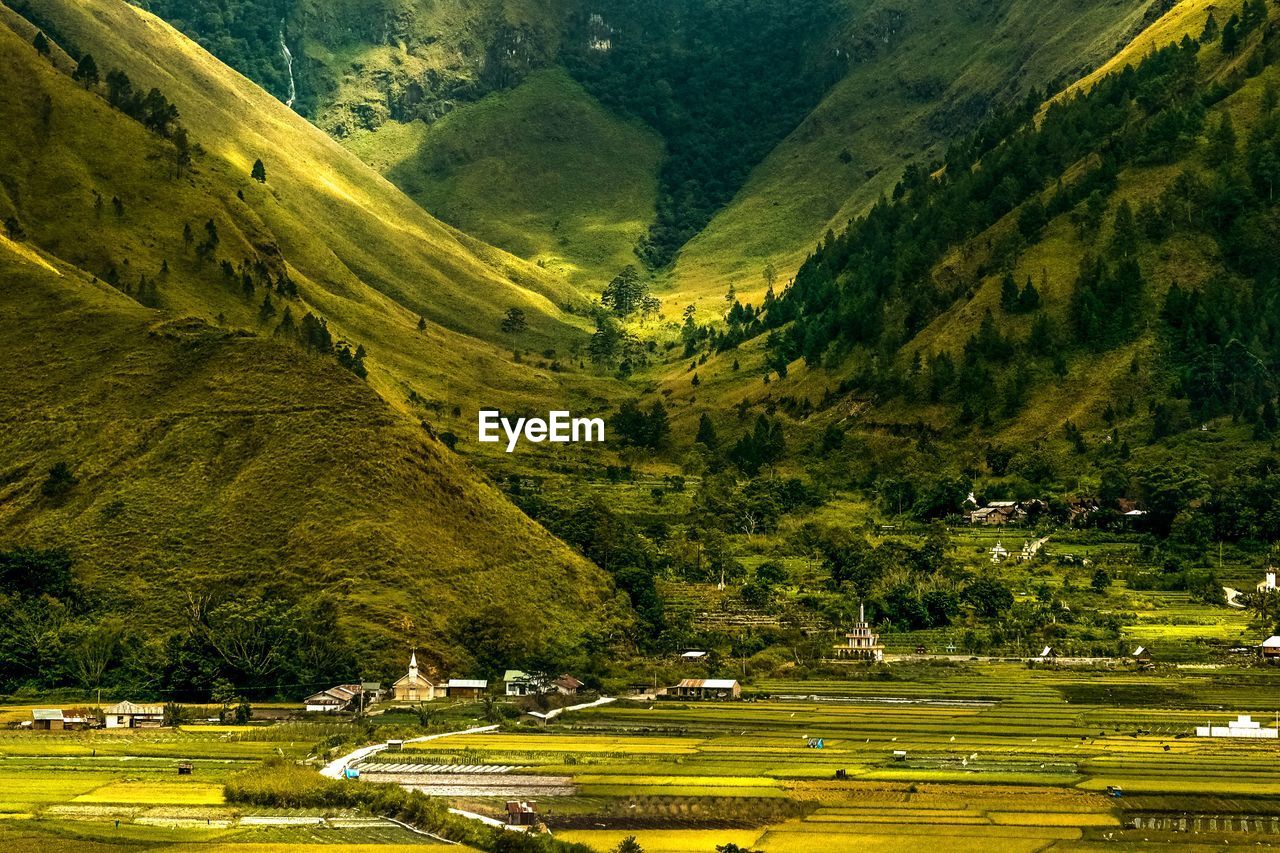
[916, 367]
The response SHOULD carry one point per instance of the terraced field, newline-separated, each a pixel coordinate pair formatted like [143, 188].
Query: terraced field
[977, 755]
[994, 753]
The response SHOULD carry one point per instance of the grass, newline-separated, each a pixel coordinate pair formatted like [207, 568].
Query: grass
[542, 171]
[803, 187]
[257, 425]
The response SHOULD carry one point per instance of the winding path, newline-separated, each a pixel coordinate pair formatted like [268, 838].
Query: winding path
[334, 769]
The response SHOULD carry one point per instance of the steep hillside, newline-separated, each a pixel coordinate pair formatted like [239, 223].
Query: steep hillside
[362, 255]
[178, 437]
[541, 170]
[1079, 300]
[777, 122]
[227, 467]
[920, 74]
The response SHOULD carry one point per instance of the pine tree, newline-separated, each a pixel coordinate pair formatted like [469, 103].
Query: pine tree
[259, 172]
[287, 329]
[86, 71]
[1211, 29]
[267, 310]
[1009, 293]
[707, 433]
[422, 324]
[1222, 142]
[41, 44]
[182, 149]
[1124, 239]
[514, 322]
[1231, 36]
[1029, 298]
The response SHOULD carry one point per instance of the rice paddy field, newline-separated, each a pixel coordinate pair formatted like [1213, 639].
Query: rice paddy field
[987, 756]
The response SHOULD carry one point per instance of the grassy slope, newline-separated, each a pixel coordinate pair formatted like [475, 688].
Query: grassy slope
[1093, 380]
[211, 460]
[542, 171]
[963, 55]
[215, 456]
[366, 256]
[1053, 261]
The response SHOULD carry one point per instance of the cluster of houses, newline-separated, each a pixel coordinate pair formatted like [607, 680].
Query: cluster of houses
[414, 686]
[1015, 512]
[1000, 512]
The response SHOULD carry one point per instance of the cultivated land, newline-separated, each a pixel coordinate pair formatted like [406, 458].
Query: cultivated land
[1004, 756]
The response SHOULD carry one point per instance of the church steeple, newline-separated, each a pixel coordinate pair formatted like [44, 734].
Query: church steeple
[413, 665]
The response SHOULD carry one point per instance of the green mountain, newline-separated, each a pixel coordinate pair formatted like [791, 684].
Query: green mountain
[758, 108]
[1022, 250]
[199, 430]
[1079, 299]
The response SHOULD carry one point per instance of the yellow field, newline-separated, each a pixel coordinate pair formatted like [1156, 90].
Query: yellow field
[154, 792]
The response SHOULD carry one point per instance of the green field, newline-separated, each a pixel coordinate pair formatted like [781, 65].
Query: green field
[995, 753]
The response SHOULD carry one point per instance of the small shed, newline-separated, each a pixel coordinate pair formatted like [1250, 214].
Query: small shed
[1141, 654]
[1271, 648]
[522, 813]
[707, 688]
[47, 719]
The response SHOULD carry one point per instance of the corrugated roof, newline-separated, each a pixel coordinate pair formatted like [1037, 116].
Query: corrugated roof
[46, 714]
[468, 682]
[709, 683]
[130, 708]
[516, 675]
[1272, 643]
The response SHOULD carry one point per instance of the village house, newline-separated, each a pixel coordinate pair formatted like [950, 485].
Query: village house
[522, 683]
[707, 688]
[1080, 509]
[344, 697]
[55, 719]
[998, 512]
[127, 715]
[413, 687]
[466, 688]
[1268, 582]
[567, 685]
[1141, 654]
[861, 644]
[1271, 648]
